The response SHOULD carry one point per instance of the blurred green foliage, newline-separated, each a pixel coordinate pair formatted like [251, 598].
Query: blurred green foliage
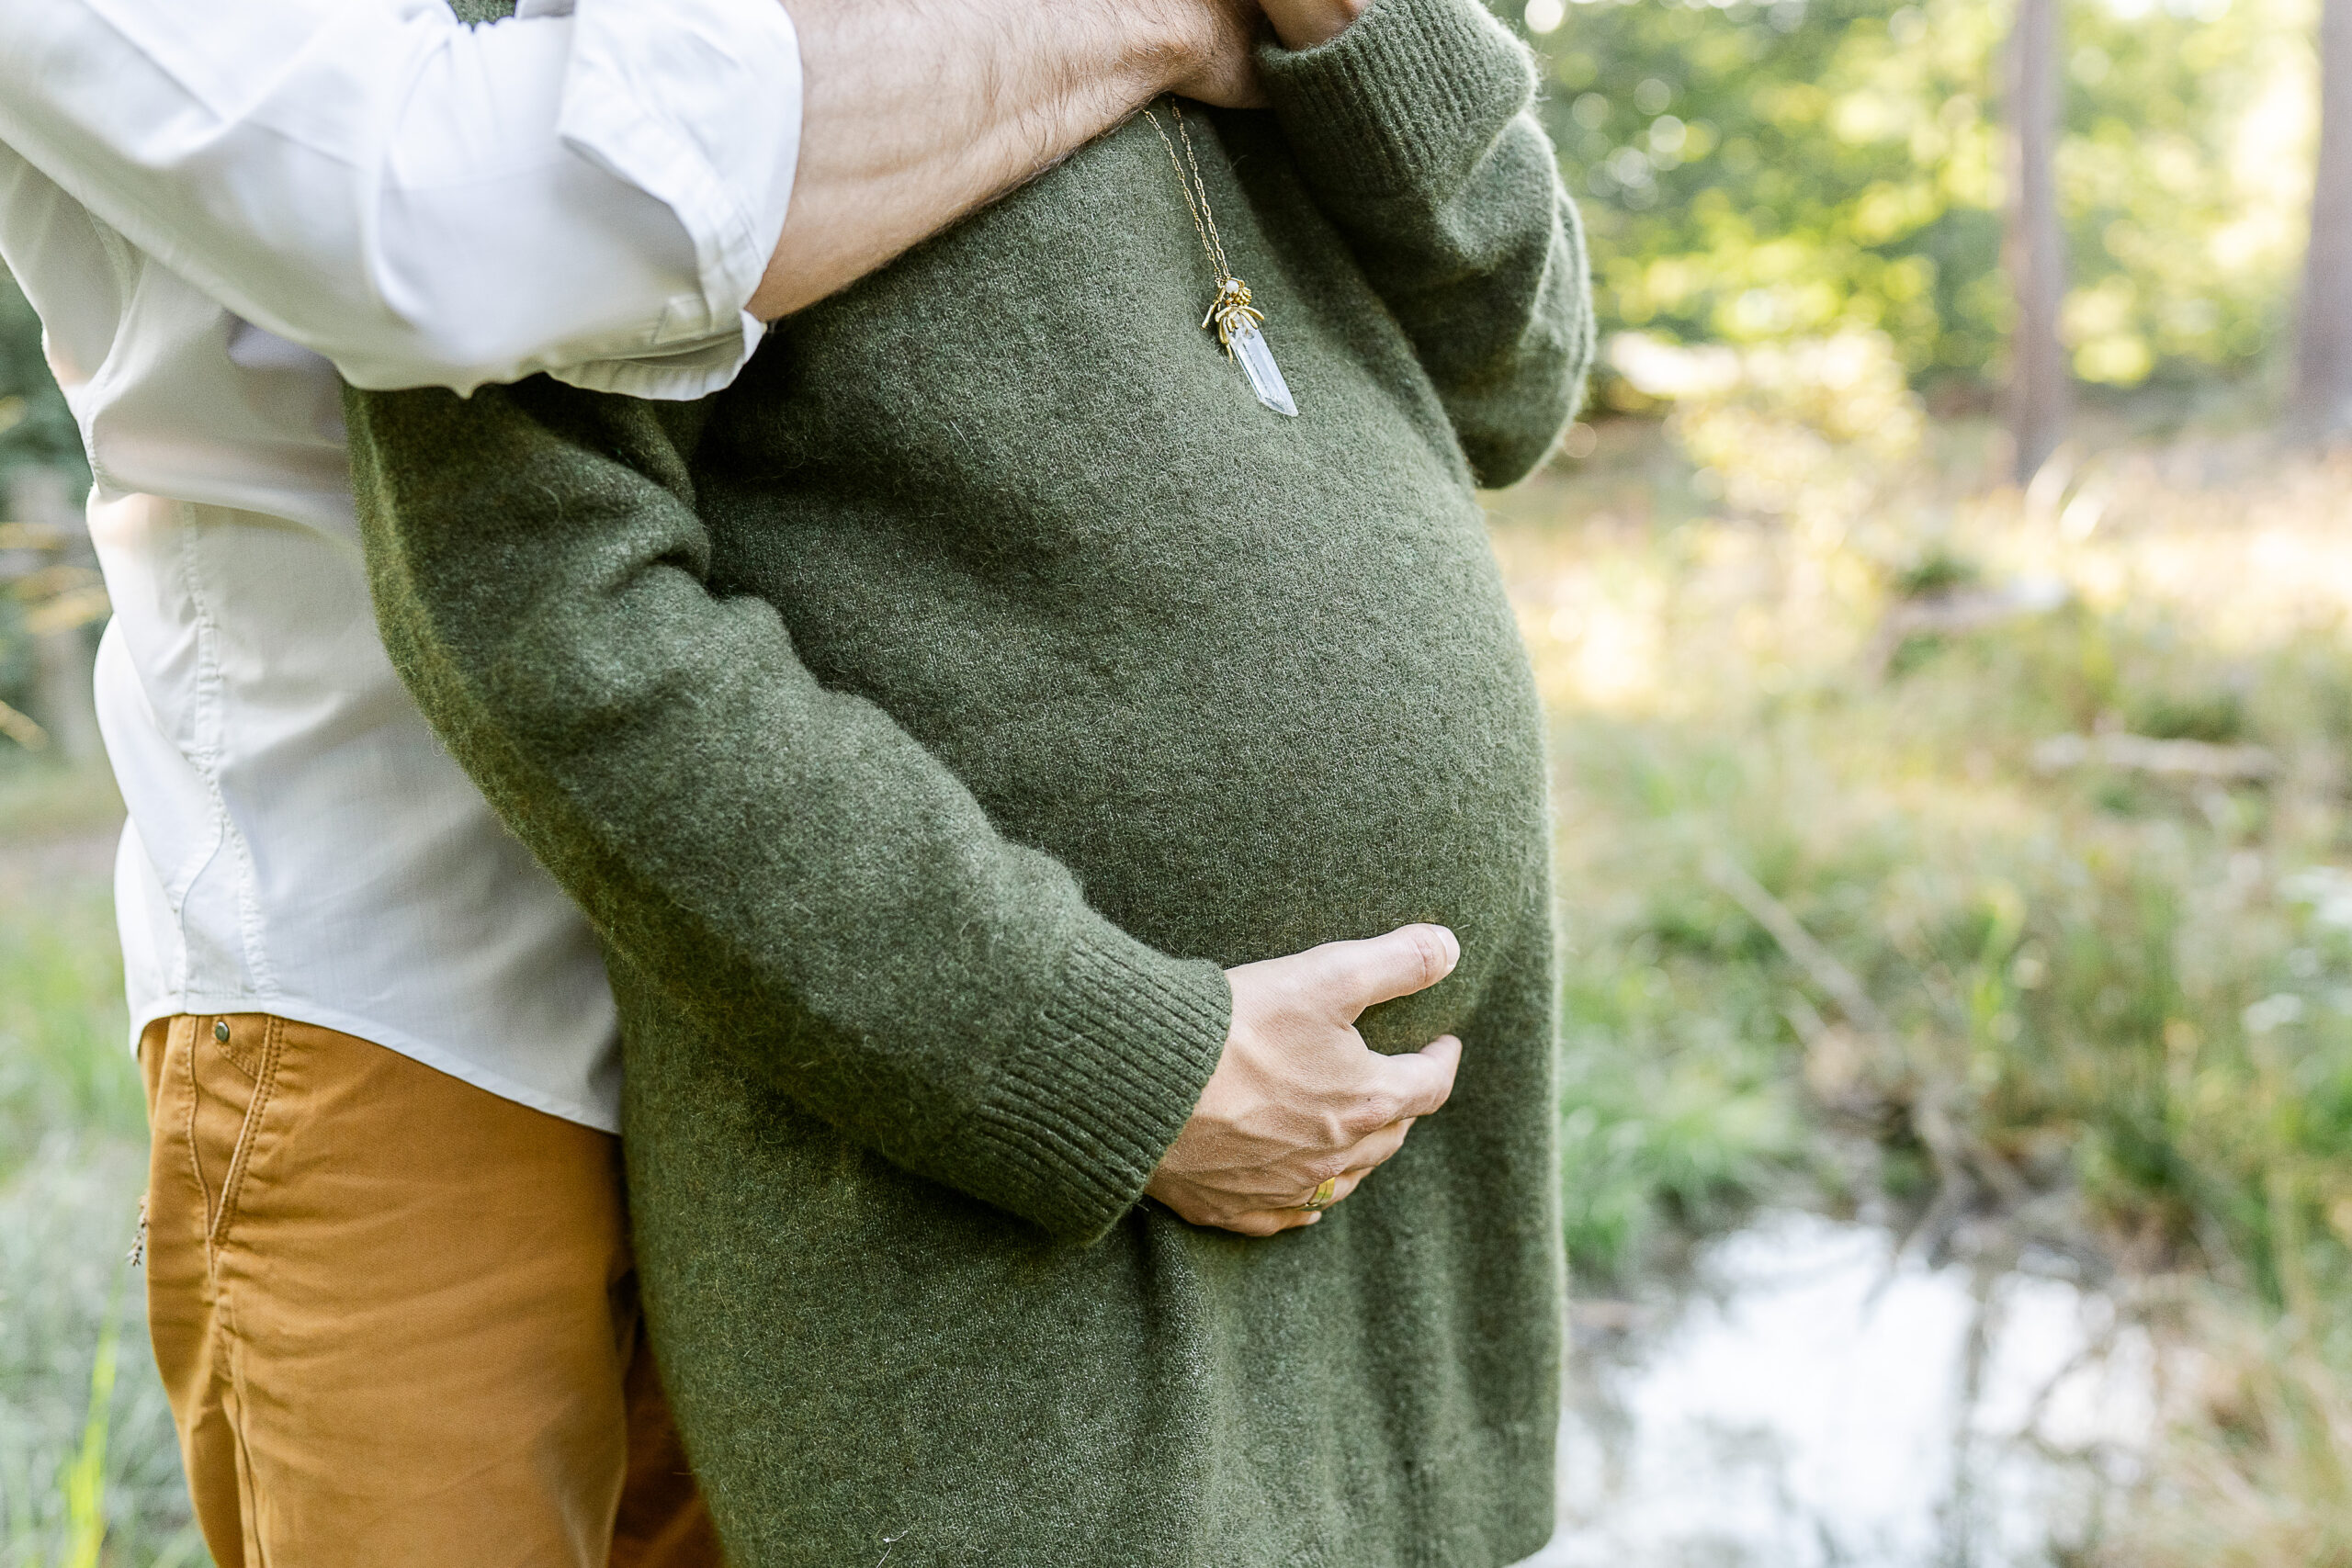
[89, 1467]
[36, 429]
[1755, 172]
[35, 425]
[2041, 929]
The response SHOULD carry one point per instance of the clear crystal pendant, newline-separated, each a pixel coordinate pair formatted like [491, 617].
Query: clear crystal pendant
[1236, 319]
[1248, 344]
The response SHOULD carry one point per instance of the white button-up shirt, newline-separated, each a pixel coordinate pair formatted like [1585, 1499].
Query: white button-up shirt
[212, 207]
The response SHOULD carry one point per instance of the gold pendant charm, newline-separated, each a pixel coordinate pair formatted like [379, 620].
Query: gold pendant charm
[1236, 319]
[1237, 324]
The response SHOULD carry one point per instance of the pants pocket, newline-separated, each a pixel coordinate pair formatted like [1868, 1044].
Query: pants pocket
[233, 1074]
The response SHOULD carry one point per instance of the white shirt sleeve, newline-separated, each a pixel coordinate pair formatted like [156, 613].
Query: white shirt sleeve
[594, 194]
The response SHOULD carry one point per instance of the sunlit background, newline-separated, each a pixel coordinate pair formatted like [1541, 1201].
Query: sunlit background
[1955, 820]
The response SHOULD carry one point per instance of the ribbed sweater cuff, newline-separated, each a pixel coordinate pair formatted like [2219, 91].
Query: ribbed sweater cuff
[1408, 97]
[1079, 1120]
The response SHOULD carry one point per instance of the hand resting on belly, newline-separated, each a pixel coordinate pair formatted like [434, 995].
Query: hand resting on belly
[1298, 1098]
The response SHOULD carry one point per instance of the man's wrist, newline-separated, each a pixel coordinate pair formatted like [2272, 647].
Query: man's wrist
[1195, 49]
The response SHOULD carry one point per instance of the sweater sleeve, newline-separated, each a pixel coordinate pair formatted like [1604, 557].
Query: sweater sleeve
[1414, 131]
[783, 863]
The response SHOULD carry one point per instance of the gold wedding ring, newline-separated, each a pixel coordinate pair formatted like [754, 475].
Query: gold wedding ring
[1322, 1196]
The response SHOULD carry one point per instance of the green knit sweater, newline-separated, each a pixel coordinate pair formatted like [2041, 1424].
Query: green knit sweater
[926, 721]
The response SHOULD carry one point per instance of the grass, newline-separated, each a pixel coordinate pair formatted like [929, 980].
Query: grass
[89, 1471]
[1844, 925]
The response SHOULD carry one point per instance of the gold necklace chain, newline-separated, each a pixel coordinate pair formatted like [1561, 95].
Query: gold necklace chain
[1236, 319]
[1196, 189]
[1231, 310]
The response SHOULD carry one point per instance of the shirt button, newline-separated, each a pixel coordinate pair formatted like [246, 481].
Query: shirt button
[221, 1031]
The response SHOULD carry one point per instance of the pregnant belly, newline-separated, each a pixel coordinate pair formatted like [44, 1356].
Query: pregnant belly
[1251, 783]
[1253, 706]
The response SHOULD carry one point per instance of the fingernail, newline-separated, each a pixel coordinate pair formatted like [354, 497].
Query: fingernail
[1453, 946]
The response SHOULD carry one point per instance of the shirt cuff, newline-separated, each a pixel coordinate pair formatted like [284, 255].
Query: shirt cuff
[697, 103]
[685, 372]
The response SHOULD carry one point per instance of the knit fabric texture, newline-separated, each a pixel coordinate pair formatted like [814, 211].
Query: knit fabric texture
[928, 720]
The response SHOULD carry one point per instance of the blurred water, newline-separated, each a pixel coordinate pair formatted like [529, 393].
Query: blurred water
[1811, 1397]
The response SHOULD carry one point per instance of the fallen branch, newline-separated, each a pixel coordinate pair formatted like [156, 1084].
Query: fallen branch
[2145, 754]
[19, 727]
[33, 536]
[1800, 944]
[1949, 614]
[1961, 1162]
[65, 611]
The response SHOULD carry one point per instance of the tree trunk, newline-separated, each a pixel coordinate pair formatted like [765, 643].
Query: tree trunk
[2323, 400]
[2041, 392]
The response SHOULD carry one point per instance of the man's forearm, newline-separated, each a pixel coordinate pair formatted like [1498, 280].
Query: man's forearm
[920, 111]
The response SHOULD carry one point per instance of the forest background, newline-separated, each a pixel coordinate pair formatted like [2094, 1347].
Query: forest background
[1956, 817]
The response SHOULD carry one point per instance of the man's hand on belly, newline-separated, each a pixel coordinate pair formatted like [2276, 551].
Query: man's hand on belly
[1298, 1098]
